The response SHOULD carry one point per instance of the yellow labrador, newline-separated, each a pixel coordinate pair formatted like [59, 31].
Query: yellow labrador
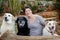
[8, 24]
[50, 28]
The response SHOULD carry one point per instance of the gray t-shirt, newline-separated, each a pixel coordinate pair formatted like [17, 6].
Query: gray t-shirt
[36, 27]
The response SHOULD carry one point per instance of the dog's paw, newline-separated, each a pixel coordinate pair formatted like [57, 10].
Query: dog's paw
[56, 35]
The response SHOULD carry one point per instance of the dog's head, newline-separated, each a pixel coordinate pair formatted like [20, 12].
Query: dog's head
[21, 21]
[51, 25]
[8, 18]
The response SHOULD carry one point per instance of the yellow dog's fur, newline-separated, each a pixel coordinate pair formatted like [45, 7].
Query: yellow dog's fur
[9, 25]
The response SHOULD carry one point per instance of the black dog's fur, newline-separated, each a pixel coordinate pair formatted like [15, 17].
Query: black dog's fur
[23, 31]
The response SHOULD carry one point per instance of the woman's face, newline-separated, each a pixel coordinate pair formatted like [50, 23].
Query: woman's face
[28, 12]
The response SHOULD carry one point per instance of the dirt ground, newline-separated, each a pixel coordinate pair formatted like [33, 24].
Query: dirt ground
[10, 36]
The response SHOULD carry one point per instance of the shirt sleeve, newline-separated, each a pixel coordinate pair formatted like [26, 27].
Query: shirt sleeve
[42, 21]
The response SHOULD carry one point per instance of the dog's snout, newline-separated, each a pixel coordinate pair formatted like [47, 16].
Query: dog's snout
[52, 27]
[6, 19]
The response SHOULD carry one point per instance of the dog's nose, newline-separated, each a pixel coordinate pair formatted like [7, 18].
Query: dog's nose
[52, 27]
[6, 19]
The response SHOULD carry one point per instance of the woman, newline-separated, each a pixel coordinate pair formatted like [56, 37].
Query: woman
[35, 22]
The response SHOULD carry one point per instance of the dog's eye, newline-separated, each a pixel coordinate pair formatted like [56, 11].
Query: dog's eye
[9, 15]
[49, 23]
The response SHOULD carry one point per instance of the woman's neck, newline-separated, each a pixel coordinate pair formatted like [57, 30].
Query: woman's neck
[31, 16]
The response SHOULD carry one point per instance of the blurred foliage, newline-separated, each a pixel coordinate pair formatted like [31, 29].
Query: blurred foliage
[34, 6]
[1, 6]
[48, 0]
[23, 4]
[57, 7]
[41, 9]
[57, 4]
[14, 6]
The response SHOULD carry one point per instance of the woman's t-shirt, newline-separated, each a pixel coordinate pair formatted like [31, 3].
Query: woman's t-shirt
[36, 27]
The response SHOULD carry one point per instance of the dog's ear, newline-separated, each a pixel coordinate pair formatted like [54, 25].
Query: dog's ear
[17, 20]
[13, 18]
[46, 22]
[55, 22]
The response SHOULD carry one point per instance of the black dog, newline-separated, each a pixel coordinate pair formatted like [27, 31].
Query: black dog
[22, 26]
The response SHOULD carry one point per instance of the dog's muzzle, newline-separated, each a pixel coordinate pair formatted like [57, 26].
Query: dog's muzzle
[6, 19]
[51, 30]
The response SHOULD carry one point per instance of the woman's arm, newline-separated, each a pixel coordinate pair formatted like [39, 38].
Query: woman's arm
[42, 21]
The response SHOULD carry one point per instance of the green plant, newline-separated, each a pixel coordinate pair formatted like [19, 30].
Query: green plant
[57, 7]
[48, 0]
[41, 9]
[14, 6]
[34, 8]
[1, 6]
[57, 4]
[39, 3]
[23, 4]
[29, 4]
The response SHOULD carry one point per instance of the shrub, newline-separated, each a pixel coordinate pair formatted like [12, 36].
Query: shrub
[57, 7]
[14, 6]
[1, 6]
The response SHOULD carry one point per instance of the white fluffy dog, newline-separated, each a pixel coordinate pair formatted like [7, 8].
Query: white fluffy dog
[49, 29]
[8, 24]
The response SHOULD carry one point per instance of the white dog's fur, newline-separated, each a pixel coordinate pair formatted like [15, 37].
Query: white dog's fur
[8, 25]
[47, 31]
